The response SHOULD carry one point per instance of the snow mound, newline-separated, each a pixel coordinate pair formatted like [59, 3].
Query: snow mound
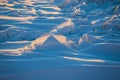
[50, 42]
[65, 27]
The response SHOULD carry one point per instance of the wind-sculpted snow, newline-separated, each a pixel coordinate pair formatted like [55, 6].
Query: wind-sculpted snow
[63, 29]
[58, 42]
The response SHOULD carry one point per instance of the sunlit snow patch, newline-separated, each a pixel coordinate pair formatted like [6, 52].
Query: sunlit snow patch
[50, 42]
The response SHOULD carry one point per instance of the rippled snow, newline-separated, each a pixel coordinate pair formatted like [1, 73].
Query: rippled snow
[71, 32]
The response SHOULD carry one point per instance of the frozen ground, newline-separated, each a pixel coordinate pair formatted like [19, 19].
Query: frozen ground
[59, 39]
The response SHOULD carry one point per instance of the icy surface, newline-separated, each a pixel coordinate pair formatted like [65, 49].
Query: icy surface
[59, 33]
